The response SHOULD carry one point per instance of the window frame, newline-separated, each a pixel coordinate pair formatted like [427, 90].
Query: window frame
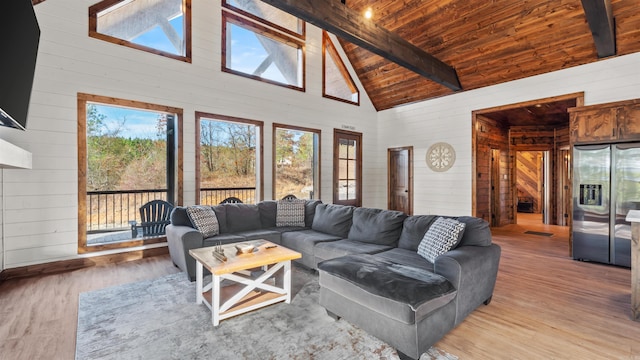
[301, 35]
[259, 157]
[264, 28]
[103, 5]
[317, 193]
[82, 101]
[329, 49]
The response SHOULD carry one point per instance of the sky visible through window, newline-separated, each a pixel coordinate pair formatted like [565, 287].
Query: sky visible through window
[248, 54]
[157, 39]
[132, 123]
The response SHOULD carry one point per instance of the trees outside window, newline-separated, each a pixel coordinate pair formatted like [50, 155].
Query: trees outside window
[296, 162]
[127, 156]
[228, 159]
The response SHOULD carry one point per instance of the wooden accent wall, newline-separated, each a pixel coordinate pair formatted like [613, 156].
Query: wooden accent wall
[551, 139]
[529, 178]
[493, 135]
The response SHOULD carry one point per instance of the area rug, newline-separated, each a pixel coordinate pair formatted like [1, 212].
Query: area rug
[159, 319]
[539, 233]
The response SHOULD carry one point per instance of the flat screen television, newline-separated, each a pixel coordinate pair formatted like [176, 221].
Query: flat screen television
[19, 39]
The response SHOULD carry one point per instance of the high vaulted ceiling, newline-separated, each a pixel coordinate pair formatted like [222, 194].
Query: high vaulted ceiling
[486, 41]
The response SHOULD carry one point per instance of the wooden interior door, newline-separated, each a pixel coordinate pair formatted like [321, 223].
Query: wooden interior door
[400, 179]
[347, 167]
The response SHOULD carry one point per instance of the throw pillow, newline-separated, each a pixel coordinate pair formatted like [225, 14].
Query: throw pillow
[204, 219]
[290, 213]
[441, 237]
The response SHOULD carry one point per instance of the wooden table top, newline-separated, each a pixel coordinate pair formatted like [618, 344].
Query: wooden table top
[236, 262]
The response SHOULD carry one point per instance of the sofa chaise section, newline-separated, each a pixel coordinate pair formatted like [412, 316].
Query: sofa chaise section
[470, 269]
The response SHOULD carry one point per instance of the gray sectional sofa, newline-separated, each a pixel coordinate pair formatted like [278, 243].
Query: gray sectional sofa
[370, 271]
[237, 223]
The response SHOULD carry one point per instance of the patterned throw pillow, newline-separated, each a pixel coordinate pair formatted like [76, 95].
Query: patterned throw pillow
[204, 219]
[441, 237]
[290, 212]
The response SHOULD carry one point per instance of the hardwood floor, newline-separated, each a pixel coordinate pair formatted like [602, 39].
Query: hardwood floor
[545, 305]
[39, 315]
[548, 306]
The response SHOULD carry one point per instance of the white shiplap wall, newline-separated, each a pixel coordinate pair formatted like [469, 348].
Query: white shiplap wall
[41, 204]
[449, 119]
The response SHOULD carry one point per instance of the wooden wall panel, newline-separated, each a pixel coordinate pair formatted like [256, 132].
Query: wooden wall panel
[492, 135]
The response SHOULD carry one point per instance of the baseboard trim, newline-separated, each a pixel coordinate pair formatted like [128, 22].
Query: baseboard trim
[76, 264]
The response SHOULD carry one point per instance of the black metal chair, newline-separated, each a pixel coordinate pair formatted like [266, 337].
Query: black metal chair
[231, 200]
[290, 197]
[155, 217]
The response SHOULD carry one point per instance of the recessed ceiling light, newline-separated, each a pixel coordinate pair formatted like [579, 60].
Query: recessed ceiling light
[368, 13]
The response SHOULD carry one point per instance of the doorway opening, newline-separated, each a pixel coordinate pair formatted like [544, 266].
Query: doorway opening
[534, 132]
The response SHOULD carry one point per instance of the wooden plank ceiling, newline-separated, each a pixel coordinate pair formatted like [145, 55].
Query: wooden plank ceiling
[486, 42]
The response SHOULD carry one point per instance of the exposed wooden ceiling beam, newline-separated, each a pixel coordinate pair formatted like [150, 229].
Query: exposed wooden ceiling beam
[338, 19]
[602, 24]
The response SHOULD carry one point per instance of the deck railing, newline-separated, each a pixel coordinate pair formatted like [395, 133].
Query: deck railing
[114, 210]
[213, 196]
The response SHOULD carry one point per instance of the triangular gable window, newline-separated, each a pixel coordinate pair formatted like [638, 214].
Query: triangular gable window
[337, 83]
[158, 26]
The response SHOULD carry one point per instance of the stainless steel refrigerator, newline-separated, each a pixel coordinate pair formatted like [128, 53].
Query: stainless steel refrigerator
[606, 185]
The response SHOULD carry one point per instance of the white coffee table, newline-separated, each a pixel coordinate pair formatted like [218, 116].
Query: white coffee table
[247, 294]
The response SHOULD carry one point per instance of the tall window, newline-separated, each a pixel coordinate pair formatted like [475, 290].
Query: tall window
[127, 156]
[296, 162]
[347, 168]
[158, 26]
[262, 43]
[337, 83]
[228, 159]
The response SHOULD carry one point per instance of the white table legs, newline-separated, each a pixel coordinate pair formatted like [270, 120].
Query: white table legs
[234, 305]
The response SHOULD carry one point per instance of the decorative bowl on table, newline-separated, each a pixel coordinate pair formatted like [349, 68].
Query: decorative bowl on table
[245, 248]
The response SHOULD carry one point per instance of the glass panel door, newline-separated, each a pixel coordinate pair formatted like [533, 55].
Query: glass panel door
[347, 168]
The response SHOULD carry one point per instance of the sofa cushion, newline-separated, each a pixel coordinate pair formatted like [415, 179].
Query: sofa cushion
[376, 226]
[333, 219]
[222, 239]
[265, 234]
[290, 212]
[476, 233]
[406, 257]
[242, 217]
[443, 235]
[179, 217]
[413, 231]
[399, 291]
[221, 214]
[204, 219]
[305, 240]
[334, 249]
[268, 209]
[310, 211]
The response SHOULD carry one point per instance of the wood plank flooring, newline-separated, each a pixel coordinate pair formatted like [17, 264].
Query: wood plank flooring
[545, 306]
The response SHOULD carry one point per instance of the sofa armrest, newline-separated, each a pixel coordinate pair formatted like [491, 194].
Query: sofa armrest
[181, 239]
[472, 270]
